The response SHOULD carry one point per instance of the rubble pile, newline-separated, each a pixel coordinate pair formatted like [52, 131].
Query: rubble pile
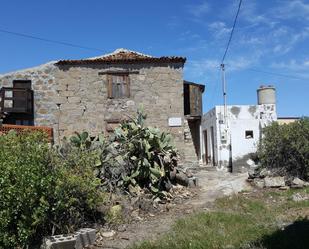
[269, 179]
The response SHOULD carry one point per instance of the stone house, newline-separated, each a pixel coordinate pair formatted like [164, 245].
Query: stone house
[96, 94]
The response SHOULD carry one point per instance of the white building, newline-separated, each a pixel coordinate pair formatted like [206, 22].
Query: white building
[231, 134]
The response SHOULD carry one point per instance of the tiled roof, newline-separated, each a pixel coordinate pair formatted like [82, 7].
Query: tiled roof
[123, 56]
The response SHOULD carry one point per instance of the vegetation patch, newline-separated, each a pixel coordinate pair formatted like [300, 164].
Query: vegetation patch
[284, 149]
[47, 190]
[43, 192]
[265, 219]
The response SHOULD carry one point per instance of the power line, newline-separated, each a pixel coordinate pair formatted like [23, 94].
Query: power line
[231, 35]
[277, 74]
[49, 40]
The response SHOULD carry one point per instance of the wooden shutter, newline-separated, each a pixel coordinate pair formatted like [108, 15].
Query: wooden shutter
[109, 86]
[118, 85]
[127, 86]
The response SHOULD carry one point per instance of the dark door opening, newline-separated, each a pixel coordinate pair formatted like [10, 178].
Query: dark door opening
[206, 157]
[194, 125]
[212, 134]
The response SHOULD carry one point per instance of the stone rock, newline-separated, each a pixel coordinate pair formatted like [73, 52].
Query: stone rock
[122, 228]
[298, 197]
[189, 173]
[260, 183]
[274, 182]
[297, 186]
[182, 179]
[193, 182]
[252, 173]
[144, 204]
[264, 172]
[284, 188]
[298, 182]
[108, 234]
[250, 162]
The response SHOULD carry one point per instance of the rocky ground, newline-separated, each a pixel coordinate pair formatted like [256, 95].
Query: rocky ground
[212, 184]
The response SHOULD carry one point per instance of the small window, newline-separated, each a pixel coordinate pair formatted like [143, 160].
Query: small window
[118, 86]
[249, 134]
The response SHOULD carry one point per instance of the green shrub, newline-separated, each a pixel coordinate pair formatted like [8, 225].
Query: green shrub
[42, 191]
[285, 148]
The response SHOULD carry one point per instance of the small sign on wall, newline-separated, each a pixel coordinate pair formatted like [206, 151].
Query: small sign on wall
[174, 122]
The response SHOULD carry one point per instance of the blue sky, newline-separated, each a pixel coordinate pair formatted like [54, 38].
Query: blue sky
[270, 36]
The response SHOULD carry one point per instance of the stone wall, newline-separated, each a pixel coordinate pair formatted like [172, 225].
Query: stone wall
[74, 98]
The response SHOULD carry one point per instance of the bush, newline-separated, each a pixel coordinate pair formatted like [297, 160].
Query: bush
[42, 192]
[139, 157]
[285, 148]
[45, 190]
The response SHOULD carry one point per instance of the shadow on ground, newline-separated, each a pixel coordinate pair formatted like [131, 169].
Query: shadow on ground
[294, 236]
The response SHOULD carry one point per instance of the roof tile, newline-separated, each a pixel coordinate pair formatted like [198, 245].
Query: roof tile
[123, 56]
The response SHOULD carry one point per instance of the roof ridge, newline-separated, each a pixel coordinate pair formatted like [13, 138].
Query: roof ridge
[117, 51]
[122, 55]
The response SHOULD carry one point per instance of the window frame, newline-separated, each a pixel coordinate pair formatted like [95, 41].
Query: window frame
[249, 134]
[110, 83]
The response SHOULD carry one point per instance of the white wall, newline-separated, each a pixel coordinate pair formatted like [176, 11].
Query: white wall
[231, 145]
[208, 121]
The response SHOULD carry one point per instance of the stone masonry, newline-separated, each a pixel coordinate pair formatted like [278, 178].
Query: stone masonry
[73, 97]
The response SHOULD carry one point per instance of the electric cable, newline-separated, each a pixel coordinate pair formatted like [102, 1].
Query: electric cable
[49, 40]
[232, 32]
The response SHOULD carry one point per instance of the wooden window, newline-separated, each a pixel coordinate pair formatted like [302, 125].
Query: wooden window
[20, 97]
[118, 85]
[17, 103]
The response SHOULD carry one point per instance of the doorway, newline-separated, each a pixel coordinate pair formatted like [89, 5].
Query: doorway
[212, 136]
[206, 157]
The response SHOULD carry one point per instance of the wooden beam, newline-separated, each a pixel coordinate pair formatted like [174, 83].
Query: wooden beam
[118, 72]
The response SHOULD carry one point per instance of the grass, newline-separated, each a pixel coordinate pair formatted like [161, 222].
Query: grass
[266, 219]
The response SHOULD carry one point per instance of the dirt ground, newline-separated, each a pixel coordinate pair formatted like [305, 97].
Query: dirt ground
[212, 184]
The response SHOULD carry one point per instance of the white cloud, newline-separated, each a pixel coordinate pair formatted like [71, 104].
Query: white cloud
[249, 13]
[293, 68]
[239, 63]
[188, 35]
[293, 9]
[260, 38]
[173, 22]
[250, 40]
[202, 67]
[285, 40]
[219, 29]
[292, 65]
[198, 10]
[306, 63]
[209, 67]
